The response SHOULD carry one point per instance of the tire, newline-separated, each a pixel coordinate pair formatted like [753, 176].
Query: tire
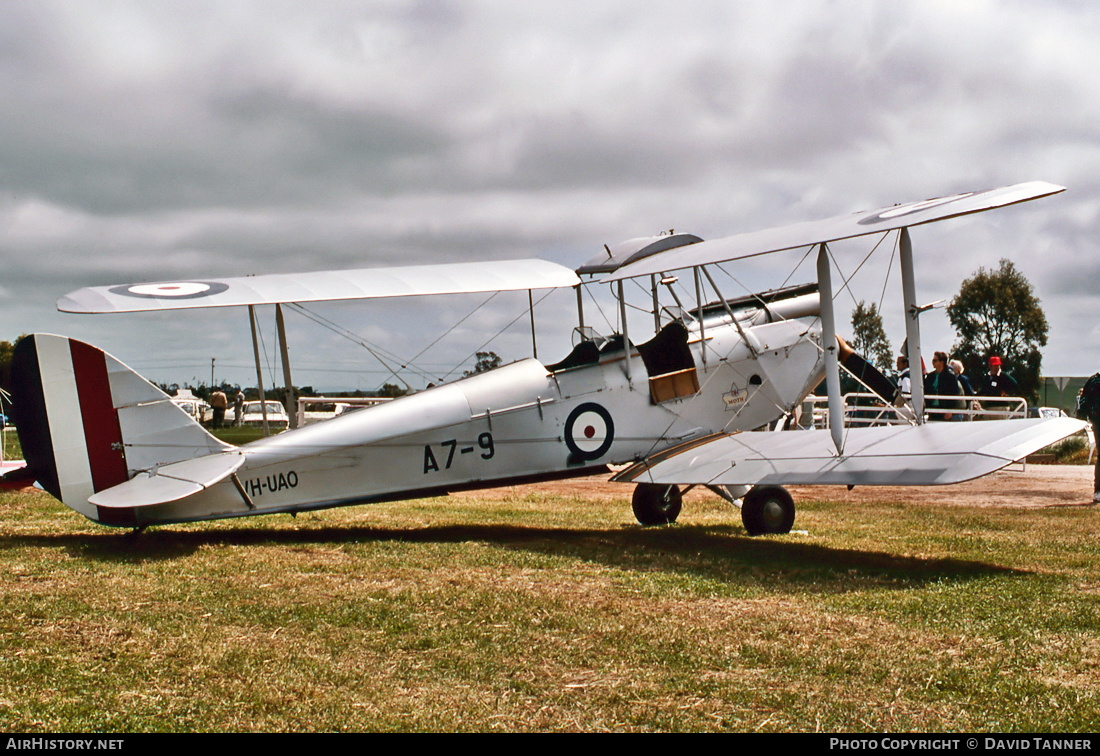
[767, 510]
[656, 504]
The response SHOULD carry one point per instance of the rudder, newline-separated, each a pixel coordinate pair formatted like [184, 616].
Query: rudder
[87, 422]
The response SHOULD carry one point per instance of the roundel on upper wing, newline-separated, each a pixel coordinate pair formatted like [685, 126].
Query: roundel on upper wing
[589, 431]
[172, 290]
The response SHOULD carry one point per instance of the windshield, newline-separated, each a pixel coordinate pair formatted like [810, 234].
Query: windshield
[254, 408]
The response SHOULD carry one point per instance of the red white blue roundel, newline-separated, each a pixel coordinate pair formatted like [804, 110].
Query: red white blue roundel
[589, 431]
[172, 290]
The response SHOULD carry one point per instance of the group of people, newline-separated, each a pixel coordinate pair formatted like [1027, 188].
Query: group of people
[947, 379]
[219, 403]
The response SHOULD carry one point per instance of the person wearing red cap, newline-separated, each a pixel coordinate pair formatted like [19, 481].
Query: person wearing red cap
[998, 383]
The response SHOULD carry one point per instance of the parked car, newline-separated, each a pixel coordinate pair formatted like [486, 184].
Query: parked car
[1045, 412]
[196, 408]
[252, 415]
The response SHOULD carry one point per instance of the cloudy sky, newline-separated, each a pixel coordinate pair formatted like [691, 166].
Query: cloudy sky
[145, 141]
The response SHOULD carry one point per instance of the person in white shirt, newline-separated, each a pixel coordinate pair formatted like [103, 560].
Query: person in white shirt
[905, 385]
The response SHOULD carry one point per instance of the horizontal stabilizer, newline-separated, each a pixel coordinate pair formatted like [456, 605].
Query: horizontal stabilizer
[830, 230]
[168, 483]
[899, 455]
[322, 286]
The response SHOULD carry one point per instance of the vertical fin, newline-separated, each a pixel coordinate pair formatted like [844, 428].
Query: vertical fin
[87, 422]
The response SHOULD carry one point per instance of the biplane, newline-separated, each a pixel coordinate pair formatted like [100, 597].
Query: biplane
[683, 407]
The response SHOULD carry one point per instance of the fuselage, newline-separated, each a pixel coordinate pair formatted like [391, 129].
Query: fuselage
[527, 421]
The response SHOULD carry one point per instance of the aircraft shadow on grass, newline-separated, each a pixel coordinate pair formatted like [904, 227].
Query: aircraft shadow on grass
[724, 553]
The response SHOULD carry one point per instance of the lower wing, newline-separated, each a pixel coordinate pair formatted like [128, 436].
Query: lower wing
[901, 455]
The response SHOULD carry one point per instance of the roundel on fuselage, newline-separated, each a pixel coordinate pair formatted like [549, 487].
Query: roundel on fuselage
[589, 431]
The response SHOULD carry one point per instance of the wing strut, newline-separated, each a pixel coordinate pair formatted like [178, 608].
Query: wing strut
[291, 405]
[626, 336]
[531, 309]
[912, 324]
[702, 328]
[830, 344]
[259, 372]
[746, 336]
[656, 303]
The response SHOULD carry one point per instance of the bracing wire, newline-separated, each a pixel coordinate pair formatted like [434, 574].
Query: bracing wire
[847, 280]
[756, 295]
[267, 360]
[377, 352]
[494, 336]
[889, 268]
[598, 308]
[455, 326]
[373, 349]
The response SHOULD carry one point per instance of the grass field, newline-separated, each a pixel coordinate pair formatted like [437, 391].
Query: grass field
[10, 444]
[533, 612]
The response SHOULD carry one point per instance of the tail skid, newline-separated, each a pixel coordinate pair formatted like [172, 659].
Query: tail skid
[87, 422]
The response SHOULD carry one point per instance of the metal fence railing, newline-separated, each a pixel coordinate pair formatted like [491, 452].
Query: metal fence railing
[865, 409]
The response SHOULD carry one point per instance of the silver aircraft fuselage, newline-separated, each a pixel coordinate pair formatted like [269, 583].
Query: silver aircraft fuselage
[520, 422]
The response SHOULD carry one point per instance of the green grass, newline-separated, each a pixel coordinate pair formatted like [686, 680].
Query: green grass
[539, 612]
[237, 436]
[11, 447]
[1071, 451]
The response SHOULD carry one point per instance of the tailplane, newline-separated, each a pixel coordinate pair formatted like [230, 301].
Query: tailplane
[87, 422]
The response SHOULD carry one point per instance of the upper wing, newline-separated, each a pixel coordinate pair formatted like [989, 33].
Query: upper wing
[833, 229]
[899, 455]
[365, 283]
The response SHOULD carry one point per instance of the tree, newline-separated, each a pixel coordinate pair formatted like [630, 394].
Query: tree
[869, 337]
[997, 313]
[7, 348]
[392, 390]
[486, 361]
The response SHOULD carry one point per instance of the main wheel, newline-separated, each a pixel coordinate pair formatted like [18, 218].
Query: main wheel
[767, 510]
[655, 504]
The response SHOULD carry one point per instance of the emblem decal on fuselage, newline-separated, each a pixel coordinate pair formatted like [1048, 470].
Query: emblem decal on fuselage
[735, 398]
[589, 431]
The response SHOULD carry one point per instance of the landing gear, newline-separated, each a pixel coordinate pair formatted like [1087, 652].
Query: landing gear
[656, 504]
[767, 510]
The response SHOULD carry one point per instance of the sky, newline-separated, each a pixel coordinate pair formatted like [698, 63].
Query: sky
[144, 142]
